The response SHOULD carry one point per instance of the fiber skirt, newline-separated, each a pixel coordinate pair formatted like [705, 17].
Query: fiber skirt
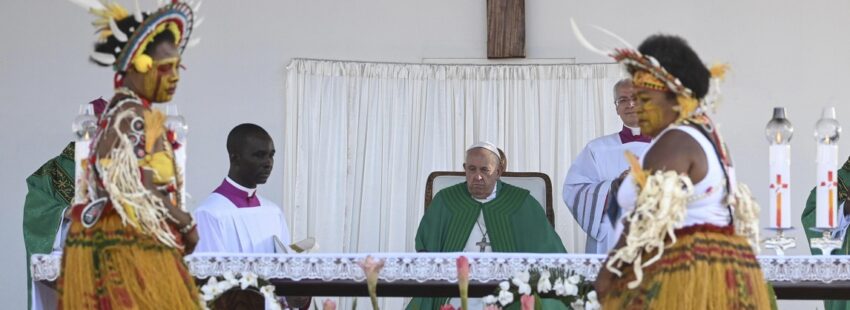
[113, 266]
[709, 267]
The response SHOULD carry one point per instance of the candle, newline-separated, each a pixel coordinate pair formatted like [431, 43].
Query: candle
[84, 128]
[827, 131]
[778, 133]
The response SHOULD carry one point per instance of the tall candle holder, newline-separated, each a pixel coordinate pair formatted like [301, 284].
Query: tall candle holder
[827, 133]
[779, 132]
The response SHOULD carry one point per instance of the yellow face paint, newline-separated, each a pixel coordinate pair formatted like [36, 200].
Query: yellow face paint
[650, 116]
[160, 82]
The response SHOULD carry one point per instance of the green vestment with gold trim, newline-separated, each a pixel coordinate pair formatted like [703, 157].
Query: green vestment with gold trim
[515, 222]
[50, 191]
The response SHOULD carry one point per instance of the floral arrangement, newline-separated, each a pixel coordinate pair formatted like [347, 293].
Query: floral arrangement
[216, 286]
[529, 286]
[571, 289]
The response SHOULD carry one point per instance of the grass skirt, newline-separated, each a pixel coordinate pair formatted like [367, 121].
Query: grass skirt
[112, 266]
[708, 267]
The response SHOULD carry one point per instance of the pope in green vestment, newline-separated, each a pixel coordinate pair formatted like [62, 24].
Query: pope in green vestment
[515, 222]
[809, 220]
[50, 192]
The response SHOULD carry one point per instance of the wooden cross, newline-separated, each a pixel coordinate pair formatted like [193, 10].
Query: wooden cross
[483, 244]
[505, 28]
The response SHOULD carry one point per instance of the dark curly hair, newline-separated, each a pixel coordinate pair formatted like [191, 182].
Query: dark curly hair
[677, 57]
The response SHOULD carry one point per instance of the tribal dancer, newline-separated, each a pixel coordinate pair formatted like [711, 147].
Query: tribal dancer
[689, 232]
[126, 243]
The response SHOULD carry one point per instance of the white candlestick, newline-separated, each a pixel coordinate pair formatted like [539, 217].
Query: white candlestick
[780, 191]
[180, 159]
[827, 191]
[81, 152]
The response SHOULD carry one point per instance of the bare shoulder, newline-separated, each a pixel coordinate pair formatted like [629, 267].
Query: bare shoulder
[674, 150]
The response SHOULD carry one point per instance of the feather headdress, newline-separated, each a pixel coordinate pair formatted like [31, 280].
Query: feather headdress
[647, 72]
[122, 36]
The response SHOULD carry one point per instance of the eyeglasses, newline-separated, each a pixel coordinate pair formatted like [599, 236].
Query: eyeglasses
[625, 100]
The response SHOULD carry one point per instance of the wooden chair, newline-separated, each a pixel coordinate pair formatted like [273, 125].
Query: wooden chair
[537, 183]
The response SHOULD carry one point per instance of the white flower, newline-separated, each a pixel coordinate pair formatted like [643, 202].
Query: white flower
[524, 289]
[229, 277]
[522, 276]
[543, 285]
[570, 289]
[577, 305]
[224, 286]
[207, 297]
[592, 303]
[574, 279]
[267, 291]
[504, 285]
[489, 300]
[211, 290]
[559, 287]
[592, 296]
[248, 279]
[213, 281]
[506, 298]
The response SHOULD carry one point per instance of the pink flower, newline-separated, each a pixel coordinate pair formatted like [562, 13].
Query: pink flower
[372, 268]
[329, 305]
[463, 269]
[463, 280]
[447, 307]
[527, 302]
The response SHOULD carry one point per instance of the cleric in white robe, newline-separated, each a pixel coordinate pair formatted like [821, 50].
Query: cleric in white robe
[234, 218]
[595, 174]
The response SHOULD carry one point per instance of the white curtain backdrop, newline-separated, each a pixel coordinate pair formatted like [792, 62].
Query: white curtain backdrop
[361, 138]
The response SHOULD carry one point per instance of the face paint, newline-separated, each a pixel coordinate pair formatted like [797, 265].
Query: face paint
[160, 82]
[651, 115]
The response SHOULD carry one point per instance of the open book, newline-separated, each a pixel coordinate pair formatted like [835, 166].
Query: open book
[298, 247]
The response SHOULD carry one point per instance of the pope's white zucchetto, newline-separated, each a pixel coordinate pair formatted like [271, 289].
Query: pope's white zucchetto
[487, 146]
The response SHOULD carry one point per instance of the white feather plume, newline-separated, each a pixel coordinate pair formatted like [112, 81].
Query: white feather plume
[89, 4]
[103, 58]
[584, 42]
[120, 36]
[197, 23]
[138, 12]
[197, 6]
[615, 36]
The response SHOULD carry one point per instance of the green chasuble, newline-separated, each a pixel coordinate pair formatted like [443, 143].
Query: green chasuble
[514, 220]
[50, 192]
[810, 218]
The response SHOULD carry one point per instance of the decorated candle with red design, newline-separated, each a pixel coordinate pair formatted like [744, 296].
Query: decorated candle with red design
[778, 133]
[827, 131]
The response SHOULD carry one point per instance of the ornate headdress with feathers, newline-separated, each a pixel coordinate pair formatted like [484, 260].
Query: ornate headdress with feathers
[647, 72]
[123, 37]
